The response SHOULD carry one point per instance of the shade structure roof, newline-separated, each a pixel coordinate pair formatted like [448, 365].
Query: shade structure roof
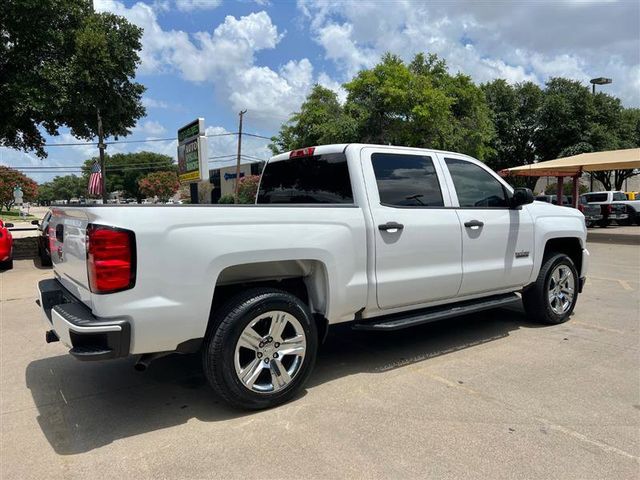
[585, 162]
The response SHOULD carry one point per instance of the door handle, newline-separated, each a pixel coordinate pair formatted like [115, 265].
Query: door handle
[391, 227]
[474, 224]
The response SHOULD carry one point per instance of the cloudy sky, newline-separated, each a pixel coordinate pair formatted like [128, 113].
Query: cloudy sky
[212, 58]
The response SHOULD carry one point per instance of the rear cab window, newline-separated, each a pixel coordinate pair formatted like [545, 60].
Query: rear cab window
[314, 179]
[596, 197]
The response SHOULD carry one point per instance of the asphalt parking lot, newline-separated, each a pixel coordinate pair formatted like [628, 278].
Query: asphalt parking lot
[482, 396]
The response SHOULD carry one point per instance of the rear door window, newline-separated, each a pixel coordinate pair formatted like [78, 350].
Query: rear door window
[406, 180]
[315, 179]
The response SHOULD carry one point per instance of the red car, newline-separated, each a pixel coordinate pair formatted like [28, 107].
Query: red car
[6, 246]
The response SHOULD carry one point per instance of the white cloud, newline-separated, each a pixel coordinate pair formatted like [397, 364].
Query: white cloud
[517, 41]
[150, 128]
[225, 58]
[190, 5]
[149, 102]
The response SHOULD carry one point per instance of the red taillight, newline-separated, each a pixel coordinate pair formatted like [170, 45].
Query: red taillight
[609, 208]
[581, 208]
[110, 259]
[303, 152]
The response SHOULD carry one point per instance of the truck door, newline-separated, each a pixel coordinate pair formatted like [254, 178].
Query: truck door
[497, 241]
[418, 246]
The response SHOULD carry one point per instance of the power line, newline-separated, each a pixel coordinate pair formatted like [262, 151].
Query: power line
[119, 142]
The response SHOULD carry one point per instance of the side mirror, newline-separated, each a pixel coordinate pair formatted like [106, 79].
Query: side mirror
[521, 196]
[35, 222]
[8, 225]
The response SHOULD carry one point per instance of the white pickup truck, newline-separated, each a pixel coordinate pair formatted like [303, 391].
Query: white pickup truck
[382, 237]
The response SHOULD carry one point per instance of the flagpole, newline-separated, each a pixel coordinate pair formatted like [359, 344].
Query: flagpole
[101, 147]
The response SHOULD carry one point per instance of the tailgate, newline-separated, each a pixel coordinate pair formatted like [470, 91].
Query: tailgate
[67, 239]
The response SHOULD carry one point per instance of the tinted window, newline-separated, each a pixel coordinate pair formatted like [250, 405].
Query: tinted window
[596, 197]
[619, 196]
[316, 179]
[406, 180]
[476, 187]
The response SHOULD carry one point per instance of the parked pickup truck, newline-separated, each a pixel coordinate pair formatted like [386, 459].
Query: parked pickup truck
[381, 237]
[614, 206]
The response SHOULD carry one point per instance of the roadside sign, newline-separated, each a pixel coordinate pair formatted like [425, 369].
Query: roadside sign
[192, 152]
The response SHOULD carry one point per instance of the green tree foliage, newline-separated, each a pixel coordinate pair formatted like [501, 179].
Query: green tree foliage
[567, 189]
[62, 188]
[59, 64]
[9, 179]
[514, 112]
[320, 121]
[161, 184]
[124, 170]
[418, 104]
[248, 189]
[226, 199]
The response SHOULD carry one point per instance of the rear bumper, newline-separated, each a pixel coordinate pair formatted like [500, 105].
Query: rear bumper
[88, 337]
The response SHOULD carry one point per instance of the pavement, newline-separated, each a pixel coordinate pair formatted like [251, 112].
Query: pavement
[483, 396]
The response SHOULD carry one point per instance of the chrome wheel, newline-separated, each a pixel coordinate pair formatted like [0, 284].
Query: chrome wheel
[270, 351]
[561, 290]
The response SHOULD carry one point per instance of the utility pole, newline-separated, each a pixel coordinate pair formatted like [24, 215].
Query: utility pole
[101, 147]
[239, 153]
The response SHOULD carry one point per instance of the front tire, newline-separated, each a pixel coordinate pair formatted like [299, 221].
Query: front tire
[261, 348]
[552, 298]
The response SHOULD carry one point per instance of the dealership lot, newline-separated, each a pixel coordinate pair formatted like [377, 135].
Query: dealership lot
[483, 396]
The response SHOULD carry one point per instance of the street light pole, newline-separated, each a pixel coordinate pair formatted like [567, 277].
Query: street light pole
[594, 82]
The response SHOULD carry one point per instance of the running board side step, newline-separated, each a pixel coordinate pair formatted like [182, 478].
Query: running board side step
[409, 319]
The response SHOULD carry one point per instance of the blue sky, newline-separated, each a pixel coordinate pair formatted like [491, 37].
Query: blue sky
[212, 58]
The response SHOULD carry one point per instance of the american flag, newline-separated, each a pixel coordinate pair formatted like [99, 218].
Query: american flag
[95, 180]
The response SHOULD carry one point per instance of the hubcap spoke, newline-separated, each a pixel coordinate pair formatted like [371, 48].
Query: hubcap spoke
[278, 323]
[251, 372]
[280, 378]
[293, 346]
[249, 339]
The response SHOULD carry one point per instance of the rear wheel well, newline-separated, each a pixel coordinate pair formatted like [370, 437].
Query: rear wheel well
[295, 286]
[570, 246]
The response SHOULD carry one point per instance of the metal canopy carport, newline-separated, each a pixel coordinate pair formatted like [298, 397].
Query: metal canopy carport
[577, 164]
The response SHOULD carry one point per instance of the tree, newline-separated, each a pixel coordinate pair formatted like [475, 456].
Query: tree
[248, 189]
[418, 105]
[124, 170]
[321, 120]
[161, 184]
[59, 64]
[514, 113]
[567, 189]
[67, 187]
[11, 178]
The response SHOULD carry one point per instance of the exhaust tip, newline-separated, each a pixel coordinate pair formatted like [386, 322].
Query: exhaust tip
[140, 367]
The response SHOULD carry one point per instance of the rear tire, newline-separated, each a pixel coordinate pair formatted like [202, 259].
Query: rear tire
[6, 265]
[604, 223]
[552, 298]
[45, 260]
[260, 349]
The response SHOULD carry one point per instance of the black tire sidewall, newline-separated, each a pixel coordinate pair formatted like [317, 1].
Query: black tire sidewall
[236, 321]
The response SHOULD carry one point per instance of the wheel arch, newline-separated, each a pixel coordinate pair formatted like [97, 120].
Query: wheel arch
[570, 246]
[306, 279]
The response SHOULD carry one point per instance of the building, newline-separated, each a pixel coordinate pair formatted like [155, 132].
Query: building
[222, 181]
